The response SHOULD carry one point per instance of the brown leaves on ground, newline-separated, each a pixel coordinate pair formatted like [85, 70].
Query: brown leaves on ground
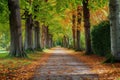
[24, 69]
[21, 69]
[106, 71]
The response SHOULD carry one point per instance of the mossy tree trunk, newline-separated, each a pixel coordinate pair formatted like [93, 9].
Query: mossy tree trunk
[16, 46]
[114, 6]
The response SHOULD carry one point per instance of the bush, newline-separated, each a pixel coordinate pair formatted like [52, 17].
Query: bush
[101, 39]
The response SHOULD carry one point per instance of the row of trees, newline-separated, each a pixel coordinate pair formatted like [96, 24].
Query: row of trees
[76, 28]
[77, 14]
[35, 11]
[29, 25]
[114, 25]
[81, 13]
[32, 30]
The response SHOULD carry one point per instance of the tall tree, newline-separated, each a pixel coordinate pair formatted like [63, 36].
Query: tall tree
[28, 28]
[44, 36]
[74, 29]
[16, 48]
[114, 6]
[29, 32]
[37, 35]
[79, 16]
[86, 15]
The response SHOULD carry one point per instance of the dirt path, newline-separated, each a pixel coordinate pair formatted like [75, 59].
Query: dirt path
[62, 66]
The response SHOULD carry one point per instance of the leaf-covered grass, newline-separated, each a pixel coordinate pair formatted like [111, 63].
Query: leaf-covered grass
[5, 60]
[12, 67]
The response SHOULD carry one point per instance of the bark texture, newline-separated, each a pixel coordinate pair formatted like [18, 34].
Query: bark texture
[114, 7]
[37, 36]
[29, 33]
[86, 15]
[16, 46]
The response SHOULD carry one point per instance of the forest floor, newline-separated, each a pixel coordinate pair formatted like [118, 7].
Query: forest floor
[57, 62]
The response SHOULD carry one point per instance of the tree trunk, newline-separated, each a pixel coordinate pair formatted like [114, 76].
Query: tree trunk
[49, 41]
[79, 16]
[47, 37]
[74, 30]
[29, 33]
[37, 36]
[44, 36]
[16, 46]
[65, 42]
[86, 14]
[114, 6]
